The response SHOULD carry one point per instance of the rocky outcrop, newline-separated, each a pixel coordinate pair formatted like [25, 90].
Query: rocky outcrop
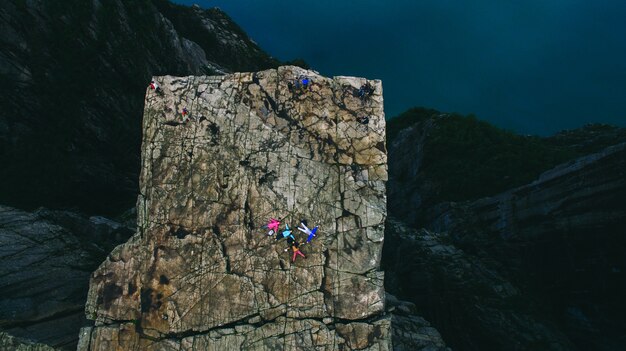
[8, 342]
[471, 301]
[200, 272]
[411, 332]
[73, 76]
[543, 259]
[561, 238]
[436, 158]
[45, 262]
[580, 195]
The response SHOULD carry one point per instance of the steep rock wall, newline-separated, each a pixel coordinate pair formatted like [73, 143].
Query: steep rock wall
[200, 272]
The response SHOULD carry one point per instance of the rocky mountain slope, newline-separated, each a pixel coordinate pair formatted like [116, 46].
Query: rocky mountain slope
[45, 263]
[73, 75]
[535, 267]
[440, 157]
[561, 238]
[201, 272]
[470, 300]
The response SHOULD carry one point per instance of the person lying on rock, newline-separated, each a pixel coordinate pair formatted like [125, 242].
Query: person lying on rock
[155, 86]
[295, 248]
[305, 81]
[307, 231]
[301, 83]
[272, 225]
[285, 234]
[185, 114]
[365, 91]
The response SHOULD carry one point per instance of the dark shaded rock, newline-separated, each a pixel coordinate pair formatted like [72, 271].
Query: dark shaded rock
[45, 263]
[591, 138]
[557, 239]
[8, 342]
[561, 239]
[103, 232]
[411, 332]
[409, 191]
[73, 76]
[468, 299]
[436, 157]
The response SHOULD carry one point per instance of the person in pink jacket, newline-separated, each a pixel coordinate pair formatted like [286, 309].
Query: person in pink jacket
[272, 225]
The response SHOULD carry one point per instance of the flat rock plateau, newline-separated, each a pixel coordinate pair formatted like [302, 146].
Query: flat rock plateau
[201, 273]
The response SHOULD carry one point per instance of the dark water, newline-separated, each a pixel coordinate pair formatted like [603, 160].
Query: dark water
[534, 66]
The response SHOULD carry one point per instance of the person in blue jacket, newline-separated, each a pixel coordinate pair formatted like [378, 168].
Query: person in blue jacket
[307, 231]
[285, 234]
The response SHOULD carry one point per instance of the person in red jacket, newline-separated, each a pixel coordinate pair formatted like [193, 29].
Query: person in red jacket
[155, 86]
[295, 248]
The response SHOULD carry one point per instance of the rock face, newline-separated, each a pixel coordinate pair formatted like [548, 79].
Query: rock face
[73, 77]
[411, 332]
[201, 273]
[541, 264]
[45, 262]
[562, 238]
[436, 157]
[470, 300]
[8, 342]
[580, 195]
[409, 192]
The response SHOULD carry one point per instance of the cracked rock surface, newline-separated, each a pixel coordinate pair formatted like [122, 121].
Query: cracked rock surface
[201, 273]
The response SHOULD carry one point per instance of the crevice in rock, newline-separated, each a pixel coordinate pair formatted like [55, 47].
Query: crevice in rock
[217, 232]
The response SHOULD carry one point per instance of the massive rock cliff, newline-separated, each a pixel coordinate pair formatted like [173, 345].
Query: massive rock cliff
[73, 75]
[200, 272]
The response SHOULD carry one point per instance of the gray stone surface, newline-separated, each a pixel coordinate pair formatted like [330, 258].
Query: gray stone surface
[557, 240]
[560, 239]
[200, 271]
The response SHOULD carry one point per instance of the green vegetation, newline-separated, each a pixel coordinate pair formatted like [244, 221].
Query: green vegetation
[588, 139]
[466, 159]
[407, 119]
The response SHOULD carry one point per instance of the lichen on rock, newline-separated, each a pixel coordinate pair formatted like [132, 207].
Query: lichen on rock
[200, 269]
